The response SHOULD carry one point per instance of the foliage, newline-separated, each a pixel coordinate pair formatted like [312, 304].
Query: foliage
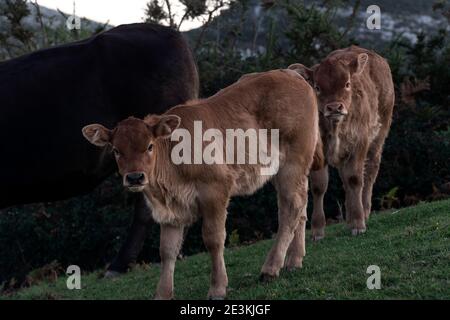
[71, 232]
[18, 38]
[234, 240]
[12, 12]
[416, 154]
[389, 199]
[312, 34]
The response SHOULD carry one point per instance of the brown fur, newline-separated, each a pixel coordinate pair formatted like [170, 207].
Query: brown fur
[180, 194]
[360, 81]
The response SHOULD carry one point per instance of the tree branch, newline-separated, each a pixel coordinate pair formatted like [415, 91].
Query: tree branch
[182, 19]
[41, 22]
[206, 25]
[351, 20]
[169, 10]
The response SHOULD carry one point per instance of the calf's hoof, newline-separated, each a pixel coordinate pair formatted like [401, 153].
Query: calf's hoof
[357, 227]
[293, 263]
[217, 293]
[356, 231]
[163, 297]
[266, 278]
[318, 234]
[293, 268]
[317, 238]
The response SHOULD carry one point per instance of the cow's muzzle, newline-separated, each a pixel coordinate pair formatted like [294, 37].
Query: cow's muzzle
[135, 181]
[335, 110]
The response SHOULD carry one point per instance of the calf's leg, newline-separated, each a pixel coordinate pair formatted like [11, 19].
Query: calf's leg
[319, 185]
[370, 173]
[352, 177]
[130, 250]
[171, 239]
[213, 232]
[292, 187]
[297, 250]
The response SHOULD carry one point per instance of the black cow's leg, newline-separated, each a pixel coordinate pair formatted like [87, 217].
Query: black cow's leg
[136, 235]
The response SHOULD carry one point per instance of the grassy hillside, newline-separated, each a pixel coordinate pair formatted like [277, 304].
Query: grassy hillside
[411, 246]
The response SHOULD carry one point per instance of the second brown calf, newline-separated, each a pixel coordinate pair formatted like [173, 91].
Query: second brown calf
[179, 194]
[356, 97]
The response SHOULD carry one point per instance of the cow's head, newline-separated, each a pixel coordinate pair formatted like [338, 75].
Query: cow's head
[332, 80]
[132, 142]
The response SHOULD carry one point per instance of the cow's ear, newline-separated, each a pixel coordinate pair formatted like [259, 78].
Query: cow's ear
[359, 63]
[97, 134]
[304, 71]
[163, 126]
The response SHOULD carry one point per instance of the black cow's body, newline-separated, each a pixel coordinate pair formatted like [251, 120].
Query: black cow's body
[47, 97]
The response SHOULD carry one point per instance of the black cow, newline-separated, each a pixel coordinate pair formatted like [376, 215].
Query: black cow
[46, 97]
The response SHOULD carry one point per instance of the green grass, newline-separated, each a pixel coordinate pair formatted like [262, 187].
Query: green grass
[411, 246]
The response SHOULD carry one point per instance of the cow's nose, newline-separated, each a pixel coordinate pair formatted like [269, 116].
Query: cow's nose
[335, 107]
[135, 178]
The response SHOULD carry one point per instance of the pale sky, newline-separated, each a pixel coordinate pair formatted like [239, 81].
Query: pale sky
[116, 11]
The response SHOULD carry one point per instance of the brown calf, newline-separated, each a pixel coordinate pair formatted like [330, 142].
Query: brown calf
[356, 99]
[181, 193]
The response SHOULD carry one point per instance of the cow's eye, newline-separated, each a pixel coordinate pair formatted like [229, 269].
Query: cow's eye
[150, 148]
[116, 152]
[317, 88]
[347, 85]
